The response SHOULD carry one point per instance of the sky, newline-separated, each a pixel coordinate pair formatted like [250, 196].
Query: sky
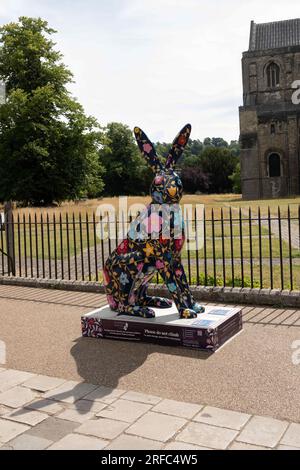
[157, 64]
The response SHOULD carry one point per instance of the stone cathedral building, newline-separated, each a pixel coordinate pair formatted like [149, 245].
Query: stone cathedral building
[269, 121]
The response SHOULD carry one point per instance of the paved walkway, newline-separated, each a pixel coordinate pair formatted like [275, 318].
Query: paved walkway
[133, 402]
[41, 412]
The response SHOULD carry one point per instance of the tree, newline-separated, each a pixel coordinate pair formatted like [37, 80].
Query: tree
[218, 164]
[194, 180]
[236, 179]
[126, 171]
[48, 146]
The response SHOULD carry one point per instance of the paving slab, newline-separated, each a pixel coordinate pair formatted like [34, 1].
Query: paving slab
[86, 406]
[126, 442]
[103, 428]
[176, 445]
[17, 396]
[156, 426]
[244, 446]
[75, 415]
[53, 429]
[43, 383]
[292, 436]
[47, 406]
[207, 436]
[177, 408]
[10, 429]
[70, 391]
[10, 378]
[263, 431]
[141, 397]
[104, 394]
[25, 416]
[124, 410]
[78, 442]
[282, 447]
[222, 418]
[29, 442]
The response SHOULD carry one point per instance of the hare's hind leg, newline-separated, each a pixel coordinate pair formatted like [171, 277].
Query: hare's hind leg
[126, 270]
[141, 285]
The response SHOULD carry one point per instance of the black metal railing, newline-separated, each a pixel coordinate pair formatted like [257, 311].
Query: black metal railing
[237, 247]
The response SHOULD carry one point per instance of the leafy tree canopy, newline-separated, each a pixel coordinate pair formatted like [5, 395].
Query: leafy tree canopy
[126, 172]
[48, 146]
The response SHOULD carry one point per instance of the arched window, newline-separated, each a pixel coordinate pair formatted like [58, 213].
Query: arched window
[273, 75]
[274, 165]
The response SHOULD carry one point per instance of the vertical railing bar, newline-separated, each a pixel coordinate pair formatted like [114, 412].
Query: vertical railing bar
[223, 248]
[270, 247]
[280, 249]
[95, 247]
[2, 245]
[43, 245]
[75, 245]
[88, 244]
[213, 245]
[231, 246]
[55, 245]
[30, 244]
[251, 248]
[109, 231]
[68, 246]
[290, 248]
[25, 245]
[13, 242]
[81, 247]
[19, 246]
[49, 246]
[260, 248]
[102, 242]
[197, 250]
[188, 249]
[204, 247]
[116, 229]
[61, 247]
[241, 246]
[36, 246]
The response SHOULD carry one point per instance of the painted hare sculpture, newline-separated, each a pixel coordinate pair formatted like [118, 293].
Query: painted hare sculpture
[153, 244]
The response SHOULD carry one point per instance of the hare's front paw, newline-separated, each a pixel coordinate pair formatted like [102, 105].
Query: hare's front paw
[198, 308]
[157, 302]
[187, 313]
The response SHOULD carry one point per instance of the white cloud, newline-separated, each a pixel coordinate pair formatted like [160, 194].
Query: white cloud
[156, 63]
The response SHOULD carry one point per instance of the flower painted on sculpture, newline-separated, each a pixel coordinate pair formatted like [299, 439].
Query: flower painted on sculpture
[140, 266]
[123, 247]
[172, 287]
[182, 139]
[179, 243]
[111, 301]
[178, 272]
[159, 264]
[162, 240]
[149, 250]
[124, 279]
[147, 148]
[159, 179]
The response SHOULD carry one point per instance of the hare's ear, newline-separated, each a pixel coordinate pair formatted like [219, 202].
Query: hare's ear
[147, 149]
[178, 145]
